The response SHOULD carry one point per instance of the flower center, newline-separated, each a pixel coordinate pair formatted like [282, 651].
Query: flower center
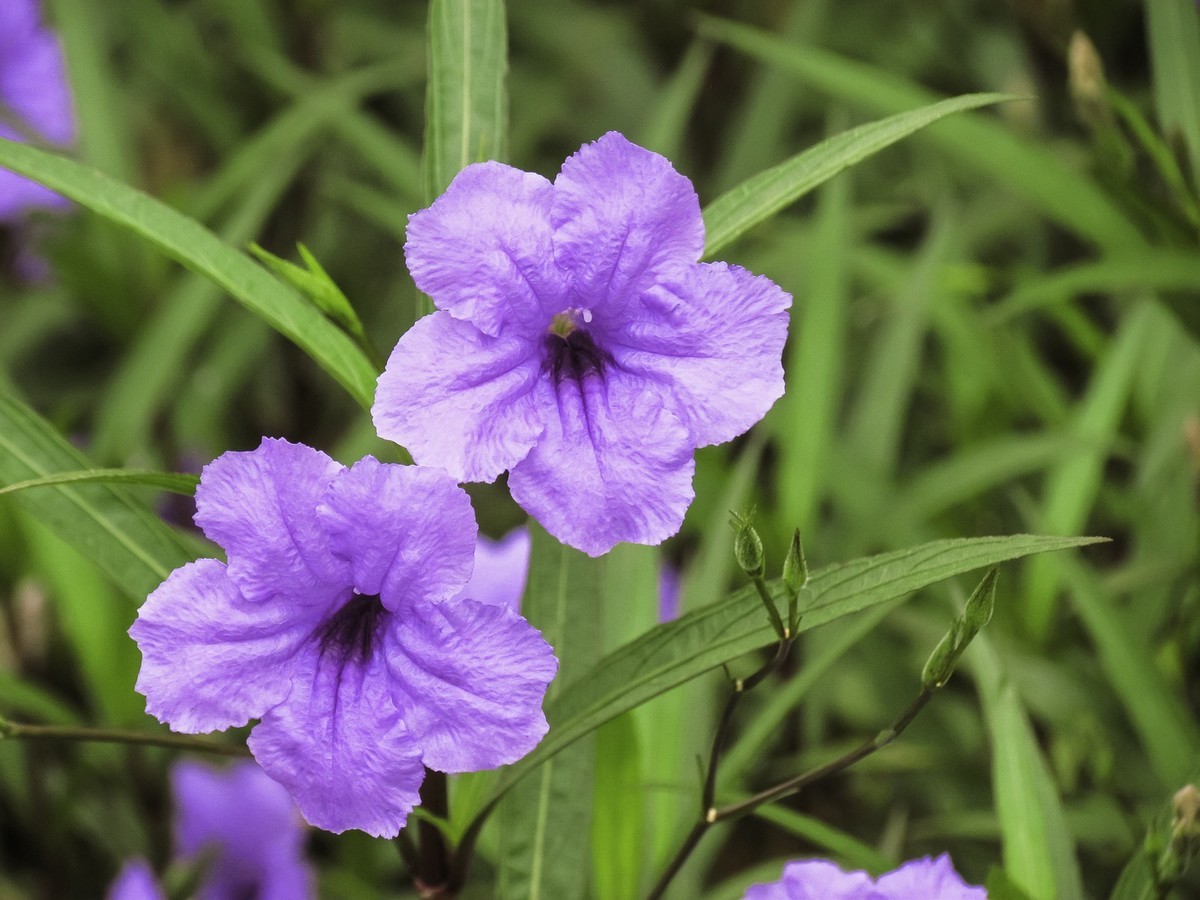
[571, 352]
[350, 633]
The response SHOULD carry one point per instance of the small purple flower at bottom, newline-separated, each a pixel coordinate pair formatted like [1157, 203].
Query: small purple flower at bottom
[918, 879]
[33, 90]
[334, 623]
[135, 881]
[579, 344]
[246, 826]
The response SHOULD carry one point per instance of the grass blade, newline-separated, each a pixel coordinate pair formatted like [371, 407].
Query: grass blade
[758, 198]
[197, 248]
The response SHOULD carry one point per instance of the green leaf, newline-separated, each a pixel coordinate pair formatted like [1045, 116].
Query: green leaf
[315, 284]
[1028, 169]
[175, 482]
[1174, 32]
[544, 822]
[466, 104]
[758, 198]
[1039, 852]
[118, 533]
[197, 248]
[678, 651]
[1072, 487]
[618, 824]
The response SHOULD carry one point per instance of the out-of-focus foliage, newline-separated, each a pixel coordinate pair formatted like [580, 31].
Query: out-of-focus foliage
[995, 331]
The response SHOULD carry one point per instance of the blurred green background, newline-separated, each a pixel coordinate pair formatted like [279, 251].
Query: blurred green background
[995, 331]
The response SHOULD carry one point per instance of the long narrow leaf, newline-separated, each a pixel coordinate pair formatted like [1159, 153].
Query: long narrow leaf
[758, 198]
[121, 535]
[176, 482]
[678, 651]
[466, 106]
[197, 248]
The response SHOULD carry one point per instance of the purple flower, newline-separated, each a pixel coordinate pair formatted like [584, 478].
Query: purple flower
[926, 879]
[250, 828]
[670, 586]
[501, 570]
[34, 92]
[578, 342]
[333, 622]
[135, 881]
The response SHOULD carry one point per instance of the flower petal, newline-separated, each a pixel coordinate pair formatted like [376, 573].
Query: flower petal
[814, 879]
[460, 400]
[260, 506]
[613, 465]
[619, 212]
[210, 658]
[483, 251]
[135, 881]
[469, 679]
[337, 743]
[501, 570]
[407, 532]
[930, 879]
[713, 334]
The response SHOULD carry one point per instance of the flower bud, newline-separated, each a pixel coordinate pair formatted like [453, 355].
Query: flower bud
[978, 612]
[748, 546]
[795, 566]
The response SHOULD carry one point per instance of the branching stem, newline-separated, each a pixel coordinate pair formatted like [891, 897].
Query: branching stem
[710, 814]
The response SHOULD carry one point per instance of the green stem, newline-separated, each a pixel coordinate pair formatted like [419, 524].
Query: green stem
[21, 731]
[769, 602]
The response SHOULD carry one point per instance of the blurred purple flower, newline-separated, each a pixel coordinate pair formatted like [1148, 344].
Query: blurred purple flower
[669, 587]
[34, 100]
[918, 879]
[579, 343]
[135, 881]
[249, 826]
[501, 570]
[333, 622]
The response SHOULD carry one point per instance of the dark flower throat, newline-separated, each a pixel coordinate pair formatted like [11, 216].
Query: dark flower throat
[573, 356]
[349, 634]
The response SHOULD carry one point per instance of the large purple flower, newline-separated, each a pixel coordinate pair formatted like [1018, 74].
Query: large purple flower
[334, 623]
[35, 101]
[579, 343]
[918, 879]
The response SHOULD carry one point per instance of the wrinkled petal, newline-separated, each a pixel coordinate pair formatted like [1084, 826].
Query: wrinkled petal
[407, 532]
[501, 570]
[484, 250]
[712, 335]
[620, 211]
[929, 879]
[469, 679]
[815, 879]
[210, 658]
[613, 465]
[460, 400]
[136, 881]
[337, 743]
[258, 505]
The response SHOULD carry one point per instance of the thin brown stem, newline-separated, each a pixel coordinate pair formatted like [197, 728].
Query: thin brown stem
[21, 731]
[708, 798]
[710, 814]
